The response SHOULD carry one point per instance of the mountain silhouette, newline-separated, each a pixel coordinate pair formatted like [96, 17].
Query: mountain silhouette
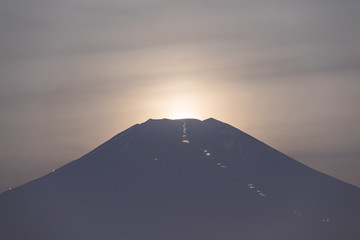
[182, 180]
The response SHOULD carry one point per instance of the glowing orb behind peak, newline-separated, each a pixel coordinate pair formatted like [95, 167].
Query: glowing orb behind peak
[182, 115]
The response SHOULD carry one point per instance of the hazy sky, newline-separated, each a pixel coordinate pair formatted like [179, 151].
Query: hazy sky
[73, 73]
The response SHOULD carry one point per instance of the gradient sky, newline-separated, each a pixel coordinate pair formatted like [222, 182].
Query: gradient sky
[73, 73]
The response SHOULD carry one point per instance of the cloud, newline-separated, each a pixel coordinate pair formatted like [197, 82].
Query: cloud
[70, 67]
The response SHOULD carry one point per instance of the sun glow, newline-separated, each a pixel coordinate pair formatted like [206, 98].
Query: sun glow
[180, 99]
[184, 109]
[182, 115]
[182, 106]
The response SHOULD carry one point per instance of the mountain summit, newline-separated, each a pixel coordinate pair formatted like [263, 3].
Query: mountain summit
[182, 180]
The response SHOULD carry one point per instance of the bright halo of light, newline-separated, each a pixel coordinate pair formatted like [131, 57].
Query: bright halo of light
[182, 109]
[181, 115]
[180, 102]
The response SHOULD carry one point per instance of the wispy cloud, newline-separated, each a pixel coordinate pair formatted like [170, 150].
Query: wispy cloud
[285, 70]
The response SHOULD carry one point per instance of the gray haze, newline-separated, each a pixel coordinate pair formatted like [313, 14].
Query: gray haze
[74, 73]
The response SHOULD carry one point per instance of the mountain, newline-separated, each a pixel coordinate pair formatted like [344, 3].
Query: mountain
[182, 180]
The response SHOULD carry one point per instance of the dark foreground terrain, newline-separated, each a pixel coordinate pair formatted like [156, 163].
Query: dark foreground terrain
[182, 180]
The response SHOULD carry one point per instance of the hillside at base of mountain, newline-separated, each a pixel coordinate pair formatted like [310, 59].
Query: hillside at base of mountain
[182, 180]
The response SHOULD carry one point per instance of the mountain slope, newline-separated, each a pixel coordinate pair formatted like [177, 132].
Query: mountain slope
[182, 179]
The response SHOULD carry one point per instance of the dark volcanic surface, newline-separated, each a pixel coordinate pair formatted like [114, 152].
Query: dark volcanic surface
[182, 180]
